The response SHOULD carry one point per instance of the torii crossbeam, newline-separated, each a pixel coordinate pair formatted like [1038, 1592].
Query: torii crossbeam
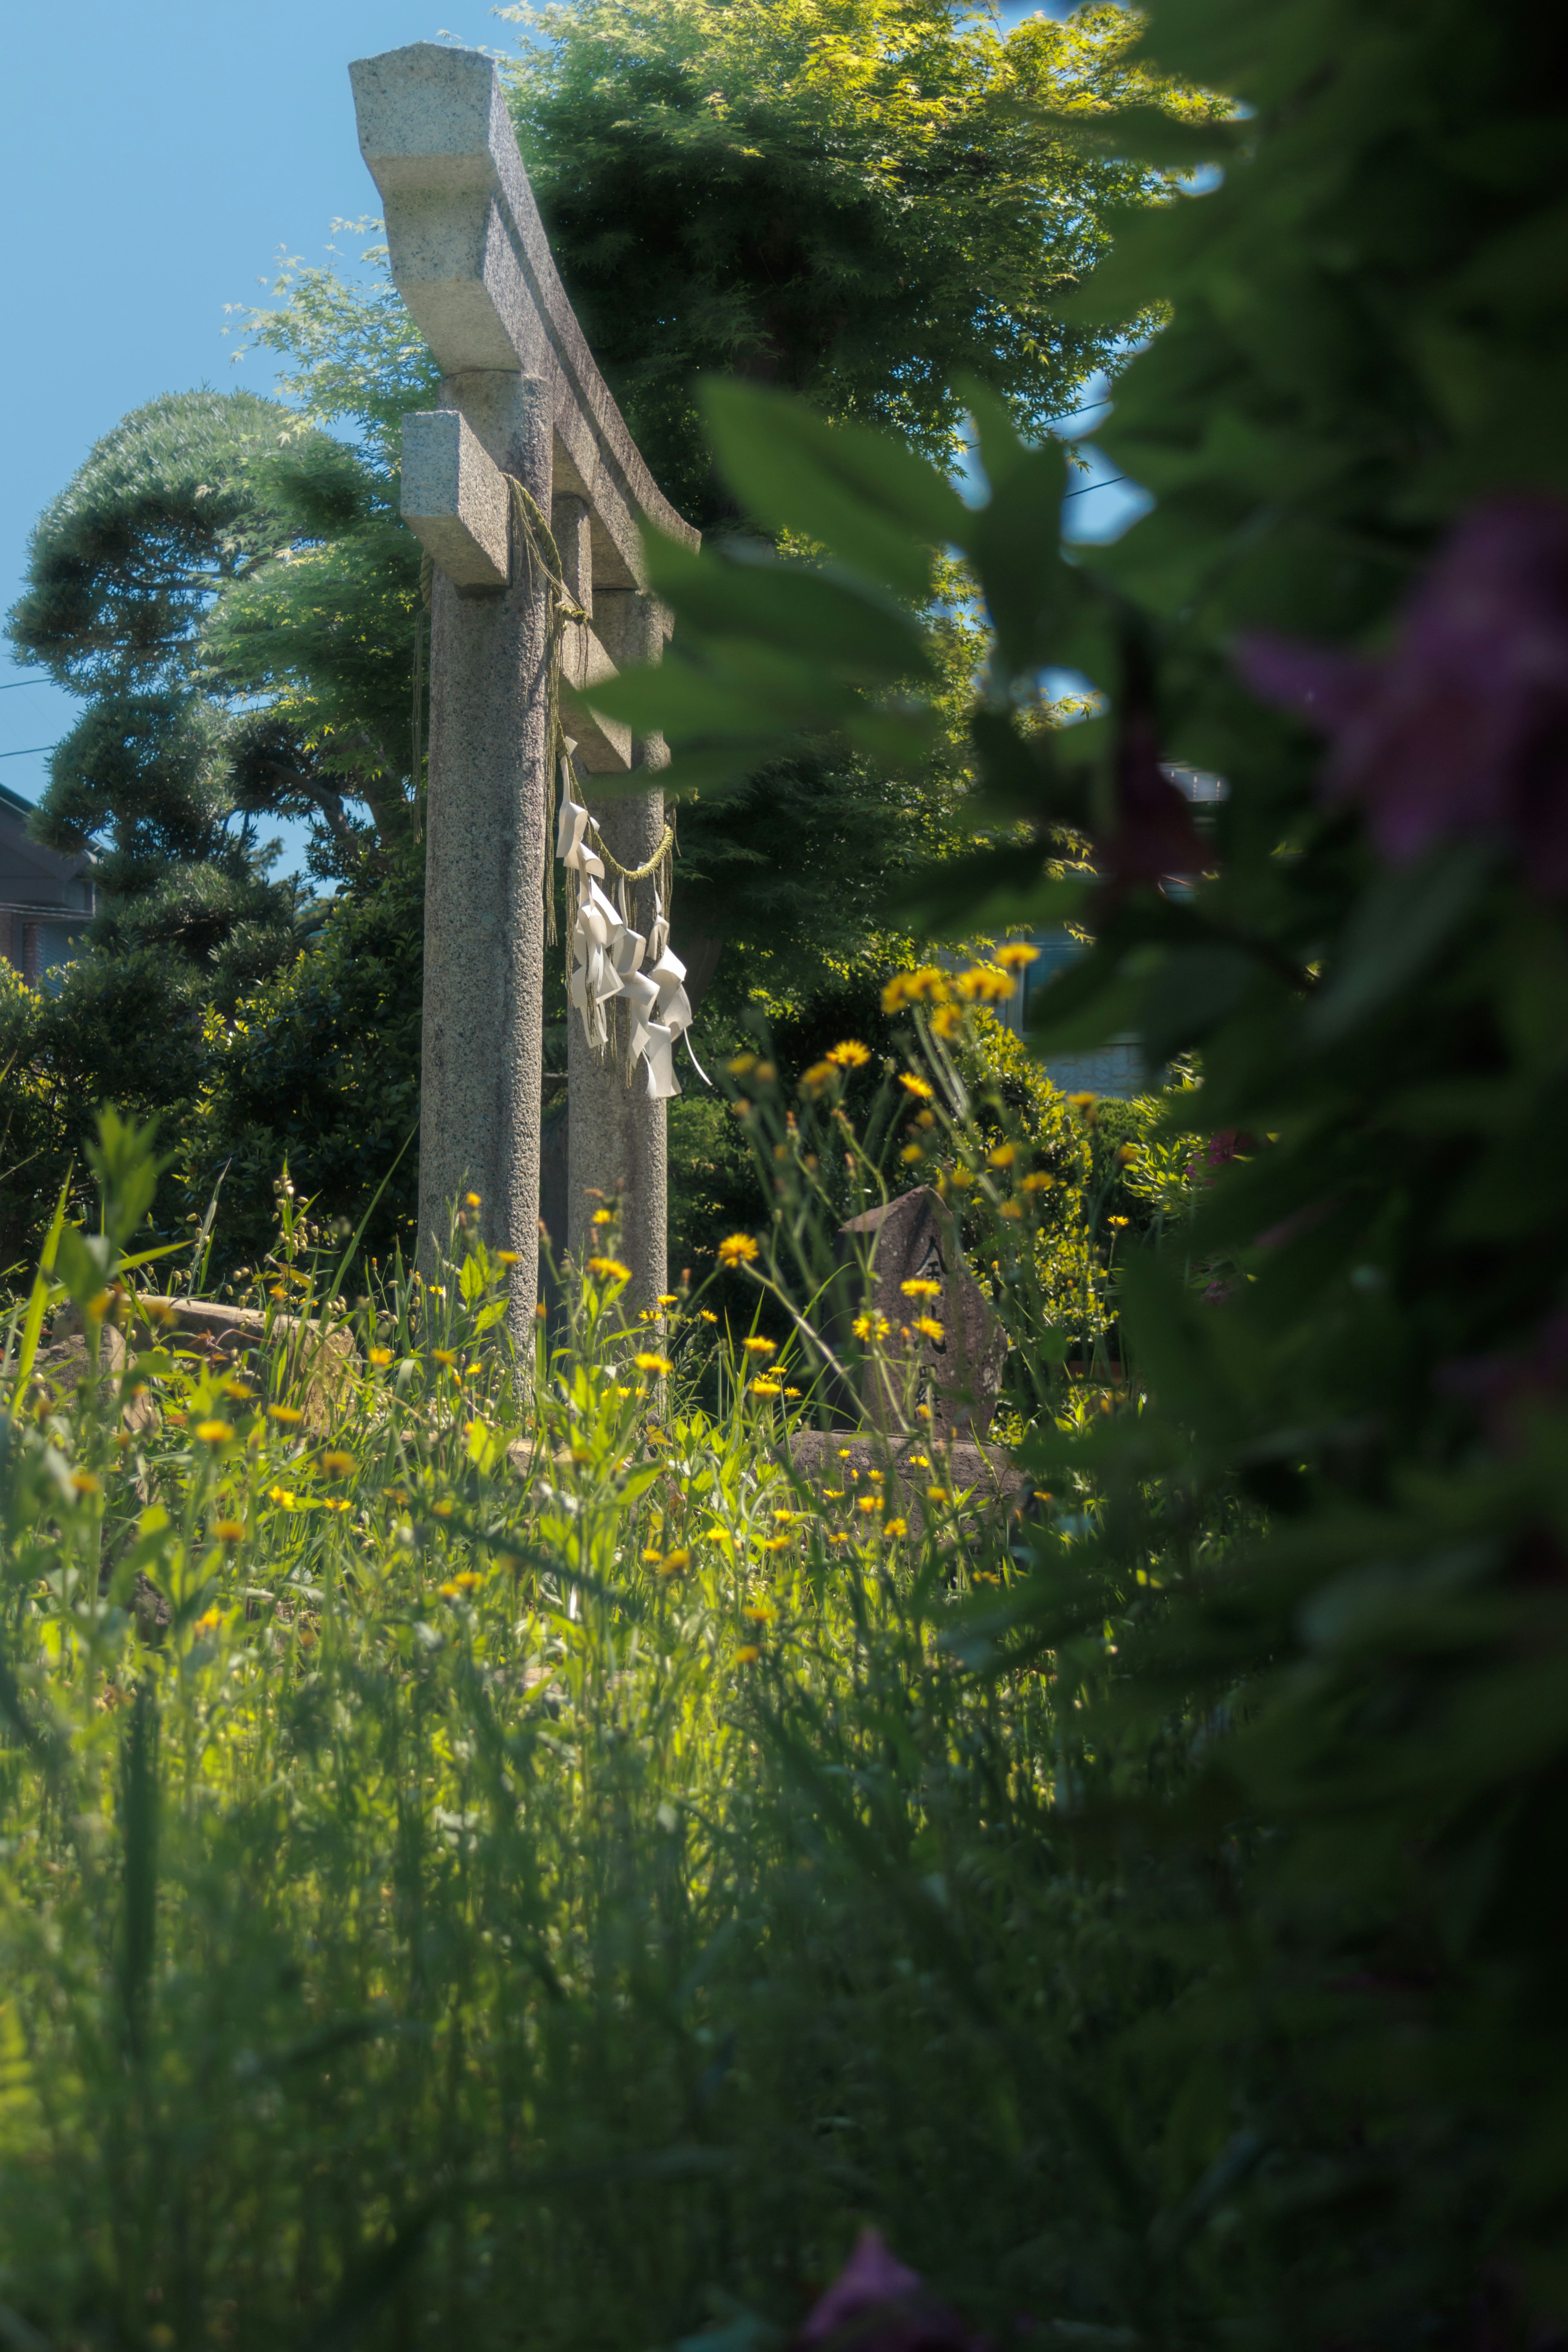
[520, 397]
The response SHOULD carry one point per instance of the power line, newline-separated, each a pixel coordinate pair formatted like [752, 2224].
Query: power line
[12, 684]
[1109, 484]
[27, 749]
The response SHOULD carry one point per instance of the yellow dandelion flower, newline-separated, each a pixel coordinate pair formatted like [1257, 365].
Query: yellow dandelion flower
[214, 1432]
[469, 1581]
[1116, 1220]
[444, 1355]
[775, 1543]
[604, 1217]
[895, 1527]
[669, 1297]
[791, 1392]
[649, 1362]
[443, 1510]
[820, 1074]
[506, 1257]
[85, 1483]
[918, 1087]
[471, 1200]
[735, 1249]
[870, 1503]
[451, 1591]
[673, 1562]
[609, 1269]
[1038, 1180]
[920, 1286]
[1015, 955]
[932, 1329]
[871, 1326]
[1083, 1105]
[747, 1654]
[912, 1155]
[758, 1613]
[757, 1346]
[766, 1388]
[742, 1065]
[928, 985]
[708, 1315]
[1002, 1155]
[982, 984]
[652, 1556]
[230, 1531]
[210, 1621]
[1126, 1153]
[1010, 1208]
[337, 1465]
[938, 1495]
[947, 1021]
[381, 1356]
[962, 1177]
[766, 1074]
[850, 1053]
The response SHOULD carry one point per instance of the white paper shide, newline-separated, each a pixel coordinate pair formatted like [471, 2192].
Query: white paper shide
[609, 960]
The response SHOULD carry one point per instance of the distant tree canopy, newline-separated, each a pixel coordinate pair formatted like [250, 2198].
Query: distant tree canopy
[222, 584]
[864, 200]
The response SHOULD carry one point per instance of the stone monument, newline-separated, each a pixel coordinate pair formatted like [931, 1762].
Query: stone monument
[958, 1377]
[526, 432]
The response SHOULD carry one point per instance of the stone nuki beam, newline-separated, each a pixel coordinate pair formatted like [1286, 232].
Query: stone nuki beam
[455, 500]
[521, 396]
[457, 504]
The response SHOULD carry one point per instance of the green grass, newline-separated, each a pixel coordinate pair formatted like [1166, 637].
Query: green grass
[547, 1880]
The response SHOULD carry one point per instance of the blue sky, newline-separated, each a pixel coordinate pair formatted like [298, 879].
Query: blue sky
[157, 159]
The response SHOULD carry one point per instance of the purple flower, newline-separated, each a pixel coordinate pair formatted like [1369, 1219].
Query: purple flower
[875, 2305]
[1463, 728]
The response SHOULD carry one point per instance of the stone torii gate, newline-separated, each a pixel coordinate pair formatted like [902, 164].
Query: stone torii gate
[520, 398]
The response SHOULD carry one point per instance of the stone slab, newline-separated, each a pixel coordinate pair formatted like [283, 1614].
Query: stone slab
[913, 1238]
[324, 1360]
[839, 1462]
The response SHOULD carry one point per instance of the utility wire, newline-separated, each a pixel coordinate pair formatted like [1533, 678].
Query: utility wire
[28, 747]
[1109, 484]
[12, 684]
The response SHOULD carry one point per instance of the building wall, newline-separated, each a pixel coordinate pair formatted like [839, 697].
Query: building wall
[45, 900]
